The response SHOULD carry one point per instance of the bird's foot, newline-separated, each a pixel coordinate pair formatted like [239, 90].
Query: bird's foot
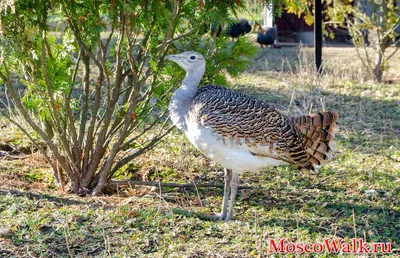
[221, 217]
[228, 218]
[218, 217]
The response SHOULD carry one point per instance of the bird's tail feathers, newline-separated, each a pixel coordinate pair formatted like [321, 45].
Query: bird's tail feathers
[318, 130]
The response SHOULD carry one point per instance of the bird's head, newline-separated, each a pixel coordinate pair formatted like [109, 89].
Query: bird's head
[190, 61]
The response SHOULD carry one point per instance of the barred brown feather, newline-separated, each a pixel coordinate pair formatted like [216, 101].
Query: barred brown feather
[303, 141]
[318, 130]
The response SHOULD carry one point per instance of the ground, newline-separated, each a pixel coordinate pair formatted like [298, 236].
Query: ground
[355, 196]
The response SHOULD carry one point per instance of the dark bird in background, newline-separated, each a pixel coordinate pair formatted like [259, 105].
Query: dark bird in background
[214, 28]
[244, 134]
[238, 29]
[265, 36]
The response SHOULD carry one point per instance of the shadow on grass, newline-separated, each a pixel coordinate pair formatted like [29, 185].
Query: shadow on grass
[332, 217]
[56, 200]
[190, 214]
[59, 201]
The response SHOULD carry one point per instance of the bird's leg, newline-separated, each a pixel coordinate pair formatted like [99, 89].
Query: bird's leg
[234, 185]
[227, 179]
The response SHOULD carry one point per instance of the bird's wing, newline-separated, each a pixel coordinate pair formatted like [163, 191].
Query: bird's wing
[247, 122]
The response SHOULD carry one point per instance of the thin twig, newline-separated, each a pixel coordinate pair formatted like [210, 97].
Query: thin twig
[35, 126]
[182, 35]
[66, 233]
[354, 225]
[106, 244]
[290, 104]
[198, 194]
[392, 54]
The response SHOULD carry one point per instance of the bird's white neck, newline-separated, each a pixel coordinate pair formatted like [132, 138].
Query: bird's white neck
[182, 98]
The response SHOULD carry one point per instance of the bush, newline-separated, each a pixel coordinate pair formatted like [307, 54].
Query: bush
[376, 29]
[94, 74]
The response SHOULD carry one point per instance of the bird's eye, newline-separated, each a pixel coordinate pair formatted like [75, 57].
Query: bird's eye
[192, 58]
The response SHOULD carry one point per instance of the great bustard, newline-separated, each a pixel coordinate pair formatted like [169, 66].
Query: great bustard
[244, 134]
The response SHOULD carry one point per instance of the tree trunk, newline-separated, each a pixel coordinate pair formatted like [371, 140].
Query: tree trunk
[378, 67]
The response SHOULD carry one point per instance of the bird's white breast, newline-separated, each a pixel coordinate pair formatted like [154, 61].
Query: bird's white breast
[231, 155]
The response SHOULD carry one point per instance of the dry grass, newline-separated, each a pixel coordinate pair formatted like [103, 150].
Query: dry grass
[340, 62]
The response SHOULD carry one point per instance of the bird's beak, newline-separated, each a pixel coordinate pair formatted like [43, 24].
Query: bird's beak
[171, 57]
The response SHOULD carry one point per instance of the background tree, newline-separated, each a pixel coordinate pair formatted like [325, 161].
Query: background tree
[377, 28]
[88, 76]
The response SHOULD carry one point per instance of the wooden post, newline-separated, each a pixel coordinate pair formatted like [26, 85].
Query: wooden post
[318, 34]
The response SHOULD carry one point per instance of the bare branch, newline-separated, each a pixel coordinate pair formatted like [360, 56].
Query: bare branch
[168, 42]
[75, 72]
[95, 108]
[22, 110]
[154, 123]
[367, 64]
[152, 143]
[105, 48]
[144, 116]
[48, 83]
[34, 142]
[82, 45]
[54, 114]
[356, 33]
[76, 148]
[85, 105]
[392, 28]
[144, 50]
[100, 148]
[170, 30]
[392, 54]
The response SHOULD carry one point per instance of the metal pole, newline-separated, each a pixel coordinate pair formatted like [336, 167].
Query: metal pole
[318, 34]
